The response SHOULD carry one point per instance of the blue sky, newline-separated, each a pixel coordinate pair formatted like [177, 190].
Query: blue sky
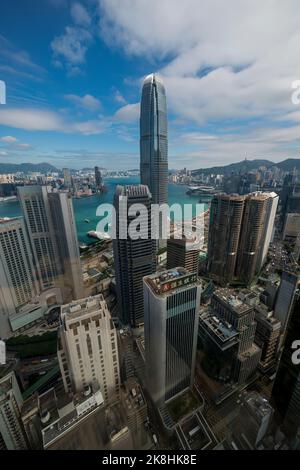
[73, 72]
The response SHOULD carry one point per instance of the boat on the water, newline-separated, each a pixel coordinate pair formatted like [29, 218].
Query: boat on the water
[201, 190]
[99, 235]
[87, 221]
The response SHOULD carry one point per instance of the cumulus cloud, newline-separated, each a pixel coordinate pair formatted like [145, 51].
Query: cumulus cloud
[223, 62]
[80, 14]
[33, 119]
[119, 98]
[87, 101]
[128, 113]
[8, 139]
[71, 46]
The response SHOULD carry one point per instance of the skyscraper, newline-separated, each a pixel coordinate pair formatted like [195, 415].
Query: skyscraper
[12, 435]
[134, 258]
[171, 305]
[64, 228]
[253, 243]
[98, 177]
[290, 283]
[286, 389]
[226, 340]
[51, 227]
[35, 206]
[67, 178]
[240, 232]
[18, 283]
[184, 252]
[226, 215]
[87, 347]
[154, 139]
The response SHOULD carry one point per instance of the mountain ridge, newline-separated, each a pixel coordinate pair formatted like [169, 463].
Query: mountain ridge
[247, 165]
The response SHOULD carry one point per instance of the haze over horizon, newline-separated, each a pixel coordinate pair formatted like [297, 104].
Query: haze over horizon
[73, 96]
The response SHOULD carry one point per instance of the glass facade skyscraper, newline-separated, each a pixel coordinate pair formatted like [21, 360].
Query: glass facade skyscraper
[154, 139]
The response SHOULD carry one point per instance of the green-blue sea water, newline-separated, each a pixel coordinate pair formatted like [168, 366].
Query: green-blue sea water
[85, 208]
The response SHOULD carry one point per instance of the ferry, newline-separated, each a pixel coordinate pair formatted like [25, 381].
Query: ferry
[200, 190]
[99, 235]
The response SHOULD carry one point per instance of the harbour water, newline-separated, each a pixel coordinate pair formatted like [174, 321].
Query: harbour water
[85, 208]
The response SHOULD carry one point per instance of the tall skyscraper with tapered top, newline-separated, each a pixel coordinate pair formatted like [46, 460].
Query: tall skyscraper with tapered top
[154, 139]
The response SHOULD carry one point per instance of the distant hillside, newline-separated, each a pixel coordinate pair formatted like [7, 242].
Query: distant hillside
[27, 167]
[289, 164]
[249, 165]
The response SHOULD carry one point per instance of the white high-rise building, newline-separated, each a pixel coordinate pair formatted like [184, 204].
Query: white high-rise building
[51, 227]
[12, 435]
[18, 283]
[269, 228]
[87, 348]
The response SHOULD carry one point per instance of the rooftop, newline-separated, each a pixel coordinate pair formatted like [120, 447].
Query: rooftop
[219, 330]
[165, 281]
[258, 405]
[232, 299]
[80, 307]
[59, 414]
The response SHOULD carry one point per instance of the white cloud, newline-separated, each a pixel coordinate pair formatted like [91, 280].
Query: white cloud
[223, 61]
[8, 139]
[18, 62]
[80, 15]
[128, 113]
[119, 98]
[33, 119]
[72, 45]
[87, 101]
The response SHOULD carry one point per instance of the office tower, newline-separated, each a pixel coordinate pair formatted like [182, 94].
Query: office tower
[271, 204]
[51, 227]
[285, 298]
[257, 226]
[227, 329]
[226, 214]
[12, 436]
[291, 228]
[240, 232]
[36, 211]
[64, 228]
[286, 389]
[18, 284]
[67, 178]
[171, 304]
[267, 336]
[98, 178]
[184, 252]
[154, 139]
[241, 316]
[87, 347]
[134, 258]
[252, 422]
[289, 197]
